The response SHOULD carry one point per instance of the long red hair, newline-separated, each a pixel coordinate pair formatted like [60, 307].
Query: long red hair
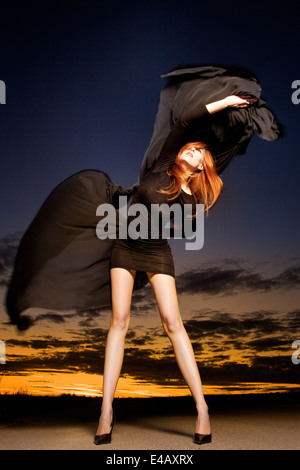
[206, 185]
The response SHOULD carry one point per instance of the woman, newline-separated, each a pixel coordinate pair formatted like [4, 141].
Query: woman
[185, 174]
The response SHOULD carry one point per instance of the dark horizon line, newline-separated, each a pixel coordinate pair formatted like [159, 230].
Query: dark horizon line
[74, 396]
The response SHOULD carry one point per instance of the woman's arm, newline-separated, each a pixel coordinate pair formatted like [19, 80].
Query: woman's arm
[231, 101]
[179, 133]
[197, 112]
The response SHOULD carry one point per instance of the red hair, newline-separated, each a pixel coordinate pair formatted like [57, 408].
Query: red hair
[206, 185]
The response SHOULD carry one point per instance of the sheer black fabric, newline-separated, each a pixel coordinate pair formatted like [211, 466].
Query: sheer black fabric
[229, 132]
[61, 263]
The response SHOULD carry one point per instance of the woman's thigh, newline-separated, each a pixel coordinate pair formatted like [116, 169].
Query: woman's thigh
[164, 289]
[122, 281]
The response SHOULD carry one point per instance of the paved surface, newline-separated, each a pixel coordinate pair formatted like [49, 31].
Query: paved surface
[277, 429]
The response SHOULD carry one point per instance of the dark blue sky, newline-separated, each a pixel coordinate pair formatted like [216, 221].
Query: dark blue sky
[83, 83]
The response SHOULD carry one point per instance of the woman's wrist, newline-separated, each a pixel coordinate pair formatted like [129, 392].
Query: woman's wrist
[217, 106]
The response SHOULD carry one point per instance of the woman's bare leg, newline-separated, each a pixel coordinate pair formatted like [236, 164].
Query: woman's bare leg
[165, 293]
[122, 281]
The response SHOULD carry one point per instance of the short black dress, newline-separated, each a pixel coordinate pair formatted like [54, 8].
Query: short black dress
[146, 253]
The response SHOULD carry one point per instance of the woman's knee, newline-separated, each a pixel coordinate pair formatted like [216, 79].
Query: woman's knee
[120, 320]
[172, 324]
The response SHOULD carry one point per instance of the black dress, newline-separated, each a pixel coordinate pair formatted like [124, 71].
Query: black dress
[149, 254]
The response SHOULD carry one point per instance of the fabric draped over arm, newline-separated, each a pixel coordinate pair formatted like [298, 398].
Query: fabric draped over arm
[228, 132]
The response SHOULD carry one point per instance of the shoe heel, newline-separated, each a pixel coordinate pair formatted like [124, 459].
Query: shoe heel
[100, 439]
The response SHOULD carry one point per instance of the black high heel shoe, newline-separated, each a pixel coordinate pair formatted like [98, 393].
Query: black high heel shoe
[202, 438]
[105, 438]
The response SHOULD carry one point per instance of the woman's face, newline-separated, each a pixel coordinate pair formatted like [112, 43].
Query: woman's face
[193, 158]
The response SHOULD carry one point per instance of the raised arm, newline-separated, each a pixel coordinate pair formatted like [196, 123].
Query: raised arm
[231, 101]
[179, 133]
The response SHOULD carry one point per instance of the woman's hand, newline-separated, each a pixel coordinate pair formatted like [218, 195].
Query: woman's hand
[231, 101]
[234, 101]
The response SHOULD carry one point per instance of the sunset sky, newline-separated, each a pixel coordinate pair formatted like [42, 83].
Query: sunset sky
[82, 84]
